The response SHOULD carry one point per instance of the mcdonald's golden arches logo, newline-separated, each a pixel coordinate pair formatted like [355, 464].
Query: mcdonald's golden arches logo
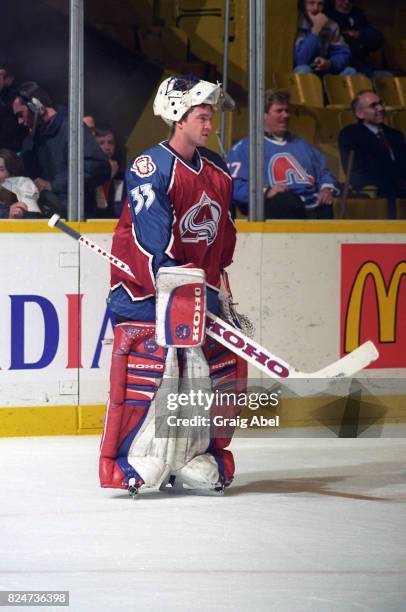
[373, 297]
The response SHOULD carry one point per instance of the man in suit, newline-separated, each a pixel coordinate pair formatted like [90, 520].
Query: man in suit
[379, 150]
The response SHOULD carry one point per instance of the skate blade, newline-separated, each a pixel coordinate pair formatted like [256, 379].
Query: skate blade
[133, 492]
[134, 487]
[214, 492]
[172, 485]
[203, 492]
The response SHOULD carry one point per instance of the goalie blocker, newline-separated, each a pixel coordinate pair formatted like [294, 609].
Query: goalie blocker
[180, 307]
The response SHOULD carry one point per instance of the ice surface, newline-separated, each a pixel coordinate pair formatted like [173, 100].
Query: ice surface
[309, 525]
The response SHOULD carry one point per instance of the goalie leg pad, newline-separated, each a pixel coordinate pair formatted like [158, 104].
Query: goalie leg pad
[137, 369]
[207, 471]
[228, 373]
[225, 461]
[180, 307]
[201, 460]
[200, 473]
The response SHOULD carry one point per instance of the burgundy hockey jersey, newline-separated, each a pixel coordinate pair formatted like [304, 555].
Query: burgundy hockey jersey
[178, 214]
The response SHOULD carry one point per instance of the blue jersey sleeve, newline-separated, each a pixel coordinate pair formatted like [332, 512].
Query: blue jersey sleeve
[238, 165]
[147, 182]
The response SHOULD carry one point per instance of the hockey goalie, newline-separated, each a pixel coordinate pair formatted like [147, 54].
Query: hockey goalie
[177, 236]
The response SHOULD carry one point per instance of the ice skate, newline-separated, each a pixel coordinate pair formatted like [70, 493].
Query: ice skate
[175, 483]
[133, 487]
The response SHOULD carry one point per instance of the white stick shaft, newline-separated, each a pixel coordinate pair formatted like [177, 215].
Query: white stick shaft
[236, 341]
[92, 246]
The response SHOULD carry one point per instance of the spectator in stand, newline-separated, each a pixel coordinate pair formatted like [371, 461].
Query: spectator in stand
[379, 150]
[25, 200]
[319, 46]
[45, 149]
[111, 194]
[298, 184]
[359, 35]
[11, 135]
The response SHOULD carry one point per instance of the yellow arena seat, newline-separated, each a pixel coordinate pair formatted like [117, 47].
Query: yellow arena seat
[310, 90]
[304, 88]
[303, 123]
[398, 121]
[288, 81]
[388, 90]
[341, 90]
[346, 117]
[401, 87]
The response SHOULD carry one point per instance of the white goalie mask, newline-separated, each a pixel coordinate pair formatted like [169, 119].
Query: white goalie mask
[177, 94]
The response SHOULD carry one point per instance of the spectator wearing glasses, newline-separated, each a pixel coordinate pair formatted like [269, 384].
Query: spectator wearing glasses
[379, 150]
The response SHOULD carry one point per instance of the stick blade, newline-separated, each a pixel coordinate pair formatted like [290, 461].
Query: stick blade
[352, 363]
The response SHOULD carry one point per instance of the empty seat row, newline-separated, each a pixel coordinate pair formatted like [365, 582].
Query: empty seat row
[336, 91]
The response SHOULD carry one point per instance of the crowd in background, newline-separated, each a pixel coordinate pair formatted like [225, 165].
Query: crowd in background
[34, 153]
[333, 36]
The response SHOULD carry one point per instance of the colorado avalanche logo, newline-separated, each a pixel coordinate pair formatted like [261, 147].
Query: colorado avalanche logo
[201, 221]
[150, 345]
[143, 166]
[284, 168]
[182, 331]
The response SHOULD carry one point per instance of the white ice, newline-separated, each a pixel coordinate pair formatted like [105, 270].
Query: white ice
[309, 525]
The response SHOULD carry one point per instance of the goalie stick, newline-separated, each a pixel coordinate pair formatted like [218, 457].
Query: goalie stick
[235, 340]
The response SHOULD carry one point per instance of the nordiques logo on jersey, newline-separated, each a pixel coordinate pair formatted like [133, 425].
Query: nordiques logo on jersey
[201, 221]
[284, 168]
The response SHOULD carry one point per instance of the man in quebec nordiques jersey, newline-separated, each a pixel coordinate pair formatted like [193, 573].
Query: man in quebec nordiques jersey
[297, 182]
[177, 222]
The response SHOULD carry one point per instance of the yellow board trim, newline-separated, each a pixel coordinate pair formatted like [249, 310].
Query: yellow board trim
[321, 227]
[51, 420]
[40, 226]
[38, 421]
[294, 412]
[94, 226]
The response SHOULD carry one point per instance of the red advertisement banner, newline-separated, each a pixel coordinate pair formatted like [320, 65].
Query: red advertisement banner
[373, 300]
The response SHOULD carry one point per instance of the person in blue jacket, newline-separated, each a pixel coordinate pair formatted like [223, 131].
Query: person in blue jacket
[319, 46]
[298, 184]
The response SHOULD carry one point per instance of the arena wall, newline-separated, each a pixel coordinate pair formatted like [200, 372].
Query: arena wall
[294, 279]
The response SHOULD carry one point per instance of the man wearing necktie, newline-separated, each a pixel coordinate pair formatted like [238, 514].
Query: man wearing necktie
[379, 150]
